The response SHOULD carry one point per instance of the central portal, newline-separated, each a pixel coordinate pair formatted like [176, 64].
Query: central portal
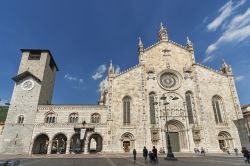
[177, 135]
[174, 140]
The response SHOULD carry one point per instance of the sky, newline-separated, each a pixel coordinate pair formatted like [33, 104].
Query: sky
[84, 36]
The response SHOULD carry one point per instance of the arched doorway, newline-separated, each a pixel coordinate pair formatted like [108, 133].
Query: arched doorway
[225, 140]
[177, 135]
[127, 141]
[59, 144]
[95, 143]
[76, 145]
[40, 145]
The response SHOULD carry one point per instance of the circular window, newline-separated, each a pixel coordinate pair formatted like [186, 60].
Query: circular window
[169, 80]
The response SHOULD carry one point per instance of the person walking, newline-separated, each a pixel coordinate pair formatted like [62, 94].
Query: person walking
[134, 154]
[245, 153]
[154, 150]
[145, 154]
[236, 151]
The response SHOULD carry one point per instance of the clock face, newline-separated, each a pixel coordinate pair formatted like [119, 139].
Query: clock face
[27, 85]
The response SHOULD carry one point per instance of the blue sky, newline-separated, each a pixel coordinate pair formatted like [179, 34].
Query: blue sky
[84, 36]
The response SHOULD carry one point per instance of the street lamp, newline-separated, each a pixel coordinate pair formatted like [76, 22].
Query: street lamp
[170, 154]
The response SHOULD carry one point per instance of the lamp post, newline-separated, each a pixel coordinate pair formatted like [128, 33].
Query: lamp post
[170, 154]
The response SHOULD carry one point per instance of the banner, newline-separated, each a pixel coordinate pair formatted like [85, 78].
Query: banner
[82, 134]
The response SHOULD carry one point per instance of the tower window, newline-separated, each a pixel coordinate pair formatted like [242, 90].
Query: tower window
[34, 55]
[20, 119]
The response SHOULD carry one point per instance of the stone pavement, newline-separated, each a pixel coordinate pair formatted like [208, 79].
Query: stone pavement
[108, 159]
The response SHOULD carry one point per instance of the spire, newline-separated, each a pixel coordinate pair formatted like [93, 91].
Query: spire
[163, 34]
[140, 43]
[140, 47]
[225, 68]
[189, 46]
[111, 68]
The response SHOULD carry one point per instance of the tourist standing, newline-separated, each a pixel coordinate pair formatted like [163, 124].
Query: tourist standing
[236, 151]
[134, 154]
[246, 154]
[154, 150]
[145, 153]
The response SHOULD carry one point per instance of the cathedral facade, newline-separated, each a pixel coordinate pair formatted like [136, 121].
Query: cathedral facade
[166, 90]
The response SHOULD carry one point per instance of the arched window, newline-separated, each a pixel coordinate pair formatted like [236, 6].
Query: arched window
[126, 109]
[20, 119]
[95, 118]
[73, 118]
[50, 118]
[218, 109]
[190, 106]
[152, 107]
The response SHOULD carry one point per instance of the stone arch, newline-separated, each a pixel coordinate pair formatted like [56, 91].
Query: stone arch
[73, 117]
[225, 140]
[177, 135]
[59, 143]
[95, 118]
[127, 141]
[95, 143]
[40, 144]
[76, 144]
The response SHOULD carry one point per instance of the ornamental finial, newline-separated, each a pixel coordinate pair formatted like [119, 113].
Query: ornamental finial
[189, 45]
[163, 34]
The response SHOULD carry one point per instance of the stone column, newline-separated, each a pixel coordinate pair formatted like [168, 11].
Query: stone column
[49, 147]
[67, 147]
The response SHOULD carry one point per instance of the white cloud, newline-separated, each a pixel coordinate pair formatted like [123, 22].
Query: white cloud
[117, 69]
[225, 12]
[239, 78]
[208, 59]
[99, 72]
[237, 30]
[71, 78]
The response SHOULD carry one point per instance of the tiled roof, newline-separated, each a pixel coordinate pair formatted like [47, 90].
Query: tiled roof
[23, 75]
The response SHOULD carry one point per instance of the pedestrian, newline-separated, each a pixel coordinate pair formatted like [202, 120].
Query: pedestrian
[154, 150]
[246, 154]
[195, 150]
[145, 154]
[236, 151]
[202, 151]
[134, 154]
[227, 150]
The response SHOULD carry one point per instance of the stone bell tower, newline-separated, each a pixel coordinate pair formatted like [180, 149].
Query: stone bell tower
[34, 85]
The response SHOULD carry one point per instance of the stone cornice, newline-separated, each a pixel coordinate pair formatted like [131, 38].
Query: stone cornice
[72, 107]
[170, 41]
[209, 68]
[127, 70]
